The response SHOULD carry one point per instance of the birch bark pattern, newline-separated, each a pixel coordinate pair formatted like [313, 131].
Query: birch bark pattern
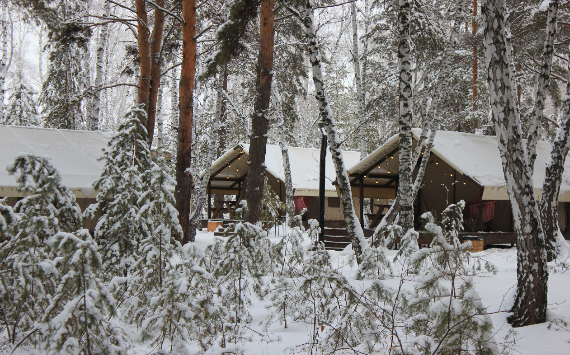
[3, 59]
[95, 112]
[289, 192]
[353, 228]
[532, 272]
[143, 33]
[358, 81]
[543, 83]
[405, 208]
[553, 178]
[260, 121]
[183, 155]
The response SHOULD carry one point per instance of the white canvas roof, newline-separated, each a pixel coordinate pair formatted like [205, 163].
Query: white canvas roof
[304, 167]
[478, 157]
[74, 154]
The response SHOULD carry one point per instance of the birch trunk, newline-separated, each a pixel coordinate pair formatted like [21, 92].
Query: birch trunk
[94, 113]
[186, 101]
[289, 192]
[355, 232]
[532, 271]
[429, 128]
[260, 122]
[174, 112]
[553, 178]
[543, 83]
[159, 121]
[3, 59]
[201, 188]
[143, 33]
[358, 81]
[405, 198]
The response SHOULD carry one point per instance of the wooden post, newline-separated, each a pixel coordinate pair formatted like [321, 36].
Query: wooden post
[362, 201]
[210, 199]
[454, 182]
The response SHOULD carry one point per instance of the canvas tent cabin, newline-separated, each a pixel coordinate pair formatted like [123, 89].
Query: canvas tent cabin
[462, 166]
[229, 174]
[75, 154]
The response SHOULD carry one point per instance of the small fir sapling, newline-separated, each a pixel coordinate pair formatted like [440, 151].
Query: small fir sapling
[78, 317]
[271, 207]
[442, 313]
[22, 108]
[246, 255]
[28, 275]
[321, 292]
[124, 179]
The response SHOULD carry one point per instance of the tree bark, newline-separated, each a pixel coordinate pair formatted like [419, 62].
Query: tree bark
[94, 113]
[353, 228]
[289, 192]
[155, 68]
[553, 178]
[405, 208]
[184, 156]
[3, 59]
[532, 271]
[159, 121]
[143, 33]
[174, 114]
[358, 81]
[260, 122]
[543, 83]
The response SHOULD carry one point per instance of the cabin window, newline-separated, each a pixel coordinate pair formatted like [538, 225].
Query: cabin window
[334, 202]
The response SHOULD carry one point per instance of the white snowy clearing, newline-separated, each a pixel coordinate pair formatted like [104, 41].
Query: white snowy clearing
[552, 337]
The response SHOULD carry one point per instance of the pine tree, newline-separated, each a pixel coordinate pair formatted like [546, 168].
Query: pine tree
[29, 275]
[123, 181]
[22, 109]
[78, 317]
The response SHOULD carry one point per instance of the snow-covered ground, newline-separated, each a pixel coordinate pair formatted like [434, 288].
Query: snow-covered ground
[493, 289]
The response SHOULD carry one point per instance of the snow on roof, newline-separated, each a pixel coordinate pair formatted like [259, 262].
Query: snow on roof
[74, 154]
[476, 156]
[304, 166]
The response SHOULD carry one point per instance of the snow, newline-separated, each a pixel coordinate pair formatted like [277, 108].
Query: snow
[74, 154]
[304, 167]
[478, 157]
[495, 292]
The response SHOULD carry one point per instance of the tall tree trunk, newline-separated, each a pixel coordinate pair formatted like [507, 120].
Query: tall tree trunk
[159, 121]
[405, 197]
[201, 185]
[429, 127]
[358, 80]
[354, 230]
[219, 198]
[532, 271]
[474, 70]
[155, 68]
[553, 178]
[4, 58]
[94, 113]
[260, 122]
[289, 193]
[174, 114]
[184, 154]
[543, 83]
[143, 33]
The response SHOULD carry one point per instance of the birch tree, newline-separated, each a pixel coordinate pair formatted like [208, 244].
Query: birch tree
[353, 227]
[358, 81]
[532, 271]
[289, 192]
[94, 112]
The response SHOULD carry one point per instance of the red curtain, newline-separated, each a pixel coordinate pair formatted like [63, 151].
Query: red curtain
[302, 202]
